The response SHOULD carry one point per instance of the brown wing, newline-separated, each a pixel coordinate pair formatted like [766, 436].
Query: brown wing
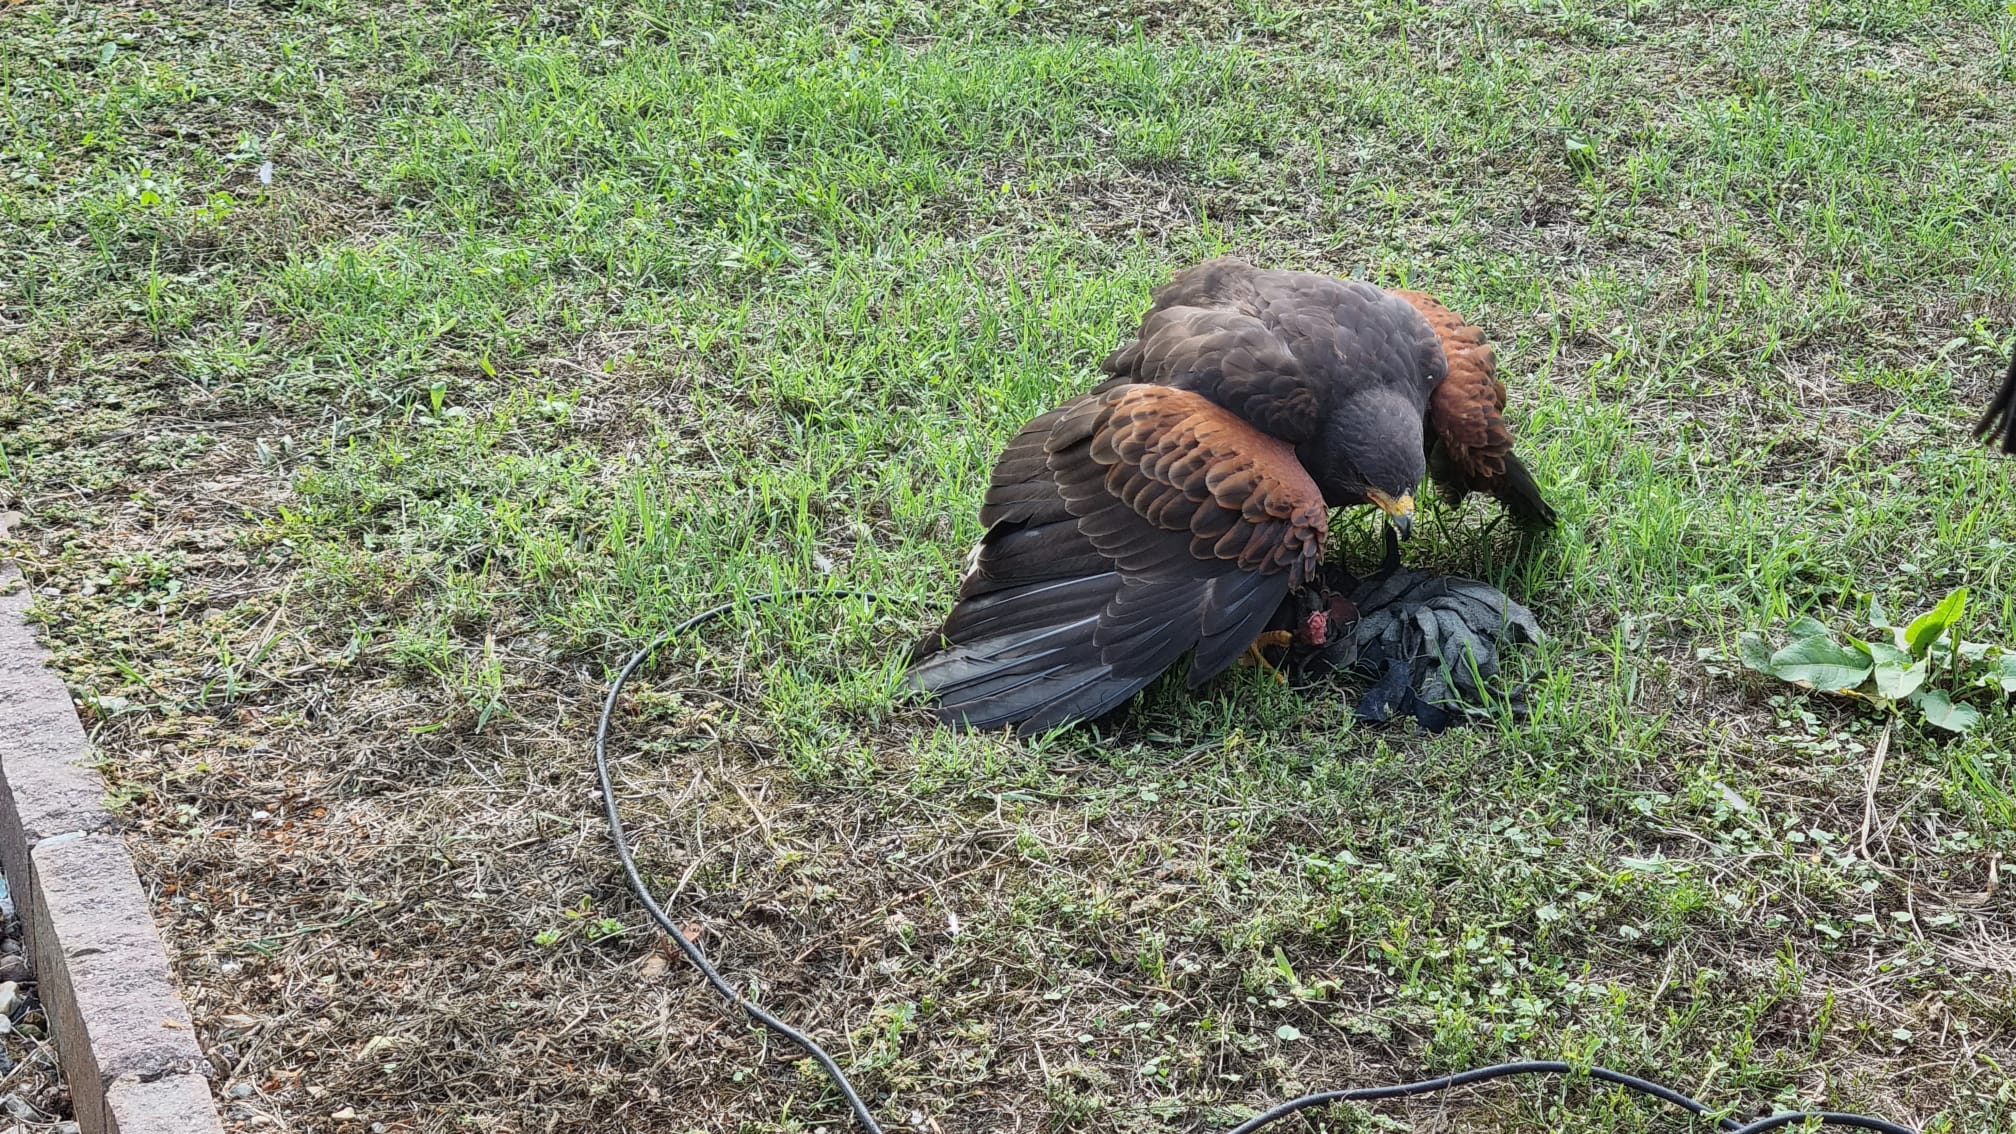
[1466, 417]
[1125, 528]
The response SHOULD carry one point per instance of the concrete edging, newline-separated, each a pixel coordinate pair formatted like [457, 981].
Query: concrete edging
[123, 1035]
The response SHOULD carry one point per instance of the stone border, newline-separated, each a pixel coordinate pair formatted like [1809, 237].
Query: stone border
[124, 1037]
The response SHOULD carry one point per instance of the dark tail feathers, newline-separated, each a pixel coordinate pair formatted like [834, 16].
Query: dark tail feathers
[1998, 425]
[1521, 496]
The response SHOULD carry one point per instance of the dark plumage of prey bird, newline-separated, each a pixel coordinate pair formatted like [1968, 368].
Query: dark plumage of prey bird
[1182, 505]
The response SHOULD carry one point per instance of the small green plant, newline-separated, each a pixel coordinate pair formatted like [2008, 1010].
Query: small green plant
[144, 578]
[1892, 674]
[593, 925]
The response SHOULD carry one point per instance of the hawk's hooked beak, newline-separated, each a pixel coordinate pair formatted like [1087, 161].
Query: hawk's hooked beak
[1399, 512]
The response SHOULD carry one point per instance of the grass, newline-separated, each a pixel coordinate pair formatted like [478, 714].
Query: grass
[374, 376]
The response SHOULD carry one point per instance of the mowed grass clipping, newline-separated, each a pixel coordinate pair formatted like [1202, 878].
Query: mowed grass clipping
[375, 377]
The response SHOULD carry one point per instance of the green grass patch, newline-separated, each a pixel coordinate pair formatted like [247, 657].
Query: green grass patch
[375, 377]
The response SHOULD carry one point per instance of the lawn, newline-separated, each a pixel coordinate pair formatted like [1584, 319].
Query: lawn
[375, 377]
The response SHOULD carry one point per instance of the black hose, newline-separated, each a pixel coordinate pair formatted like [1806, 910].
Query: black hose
[1554, 1067]
[621, 838]
[868, 1124]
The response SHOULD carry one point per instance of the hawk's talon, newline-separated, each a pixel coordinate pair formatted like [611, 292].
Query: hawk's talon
[1268, 640]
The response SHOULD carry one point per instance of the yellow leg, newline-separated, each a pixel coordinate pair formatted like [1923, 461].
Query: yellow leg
[1271, 639]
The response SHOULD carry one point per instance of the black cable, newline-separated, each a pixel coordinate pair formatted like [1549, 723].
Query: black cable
[805, 1043]
[621, 838]
[1553, 1067]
